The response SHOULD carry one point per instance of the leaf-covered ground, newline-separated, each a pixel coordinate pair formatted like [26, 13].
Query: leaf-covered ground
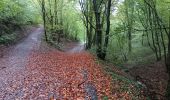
[64, 76]
[35, 74]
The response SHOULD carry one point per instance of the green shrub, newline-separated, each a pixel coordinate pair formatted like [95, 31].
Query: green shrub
[7, 38]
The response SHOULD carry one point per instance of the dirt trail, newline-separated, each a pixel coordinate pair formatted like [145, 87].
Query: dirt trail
[17, 55]
[13, 64]
[79, 48]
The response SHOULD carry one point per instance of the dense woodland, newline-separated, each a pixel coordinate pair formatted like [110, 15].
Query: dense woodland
[126, 33]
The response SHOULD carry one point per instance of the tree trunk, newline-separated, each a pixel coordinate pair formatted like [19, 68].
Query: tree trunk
[44, 19]
[56, 13]
[168, 65]
[90, 32]
[168, 69]
[129, 22]
[99, 36]
[98, 31]
[108, 27]
[130, 40]
[91, 27]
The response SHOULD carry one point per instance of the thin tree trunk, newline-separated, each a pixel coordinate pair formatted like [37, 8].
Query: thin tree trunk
[44, 19]
[152, 32]
[91, 27]
[168, 65]
[99, 36]
[168, 70]
[129, 23]
[90, 33]
[99, 50]
[56, 16]
[157, 39]
[108, 27]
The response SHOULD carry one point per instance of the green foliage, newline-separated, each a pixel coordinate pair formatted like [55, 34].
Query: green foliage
[73, 24]
[117, 51]
[7, 38]
[13, 15]
[62, 21]
[18, 11]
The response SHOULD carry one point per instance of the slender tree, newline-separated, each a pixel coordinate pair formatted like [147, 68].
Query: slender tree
[44, 18]
[129, 13]
[108, 10]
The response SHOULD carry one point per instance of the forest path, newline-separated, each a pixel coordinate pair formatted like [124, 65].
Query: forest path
[78, 48]
[29, 74]
[14, 61]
